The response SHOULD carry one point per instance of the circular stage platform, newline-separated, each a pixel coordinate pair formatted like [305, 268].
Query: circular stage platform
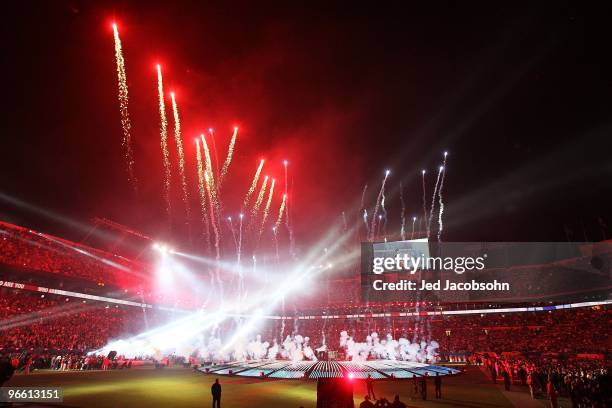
[282, 369]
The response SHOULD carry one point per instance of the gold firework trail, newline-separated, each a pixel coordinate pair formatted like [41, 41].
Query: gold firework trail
[441, 202]
[267, 207]
[253, 185]
[281, 209]
[202, 191]
[126, 124]
[260, 197]
[209, 173]
[379, 199]
[181, 155]
[215, 211]
[163, 131]
[433, 202]
[228, 159]
[211, 207]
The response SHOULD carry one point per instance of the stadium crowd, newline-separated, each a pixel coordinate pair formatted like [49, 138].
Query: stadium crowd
[560, 331]
[557, 352]
[586, 382]
[57, 323]
[26, 249]
[550, 352]
[51, 322]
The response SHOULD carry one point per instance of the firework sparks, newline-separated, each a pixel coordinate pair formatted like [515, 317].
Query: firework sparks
[285, 163]
[213, 221]
[202, 191]
[383, 218]
[241, 291]
[403, 214]
[383, 210]
[260, 197]
[240, 239]
[253, 185]
[126, 124]
[233, 231]
[378, 226]
[214, 149]
[228, 159]
[281, 209]
[441, 203]
[274, 232]
[209, 174]
[379, 199]
[266, 211]
[287, 212]
[211, 192]
[163, 131]
[424, 201]
[181, 155]
[433, 202]
[363, 193]
[413, 222]
[364, 211]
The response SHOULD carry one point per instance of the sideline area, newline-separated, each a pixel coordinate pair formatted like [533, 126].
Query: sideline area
[181, 387]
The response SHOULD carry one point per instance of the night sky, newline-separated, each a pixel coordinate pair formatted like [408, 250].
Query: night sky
[520, 96]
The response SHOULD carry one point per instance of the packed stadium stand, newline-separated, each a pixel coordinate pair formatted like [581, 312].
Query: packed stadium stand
[53, 319]
[35, 253]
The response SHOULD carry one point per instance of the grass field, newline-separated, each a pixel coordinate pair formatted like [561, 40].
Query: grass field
[179, 387]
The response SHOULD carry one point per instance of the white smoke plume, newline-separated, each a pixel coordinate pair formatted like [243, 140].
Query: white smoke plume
[294, 347]
[388, 348]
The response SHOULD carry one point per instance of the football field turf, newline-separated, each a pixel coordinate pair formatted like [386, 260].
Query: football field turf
[181, 387]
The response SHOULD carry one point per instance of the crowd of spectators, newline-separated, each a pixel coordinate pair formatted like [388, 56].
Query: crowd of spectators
[559, 351]
[558, 331]
[52, 322]
[540, 349]
[26, 249]
[586, 382]
[47, 323]
[29, 361]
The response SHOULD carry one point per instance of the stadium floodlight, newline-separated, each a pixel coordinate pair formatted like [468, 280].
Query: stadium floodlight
[163, 248]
